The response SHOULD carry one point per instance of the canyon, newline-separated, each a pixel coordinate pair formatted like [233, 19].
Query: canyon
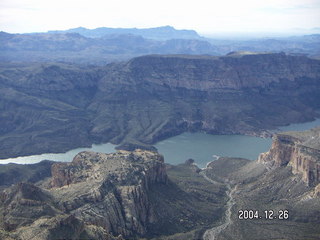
[57, 107]
[134, 194]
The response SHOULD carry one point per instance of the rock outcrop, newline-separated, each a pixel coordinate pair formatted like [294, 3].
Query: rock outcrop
[107, 191]
[113, 185]
[301, 151]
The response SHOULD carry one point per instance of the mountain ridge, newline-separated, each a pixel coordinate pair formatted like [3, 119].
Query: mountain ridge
[156, 33]
[76, 48]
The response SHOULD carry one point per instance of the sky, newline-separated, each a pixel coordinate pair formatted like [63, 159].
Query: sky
[204, 16]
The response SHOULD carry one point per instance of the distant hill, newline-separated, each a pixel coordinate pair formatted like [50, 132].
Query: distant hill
[158, 33]
[76, 48]
[307, 45]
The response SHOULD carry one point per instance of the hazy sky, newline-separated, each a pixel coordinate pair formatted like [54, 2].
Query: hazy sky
[205, 16]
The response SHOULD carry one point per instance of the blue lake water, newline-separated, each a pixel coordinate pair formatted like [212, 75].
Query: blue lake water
[202, 147]
[60, 157]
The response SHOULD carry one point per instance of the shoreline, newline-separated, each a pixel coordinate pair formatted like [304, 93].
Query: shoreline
[262, 134]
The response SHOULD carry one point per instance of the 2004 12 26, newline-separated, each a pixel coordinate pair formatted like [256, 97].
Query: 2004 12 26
[249, 214]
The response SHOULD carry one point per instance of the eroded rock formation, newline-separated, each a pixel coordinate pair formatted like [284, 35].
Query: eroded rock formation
[107, 191]
[112, 185]
[301, 151]
[104, 196]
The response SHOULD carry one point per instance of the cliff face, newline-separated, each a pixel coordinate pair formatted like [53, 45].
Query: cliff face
[300, 151]
[207, 73]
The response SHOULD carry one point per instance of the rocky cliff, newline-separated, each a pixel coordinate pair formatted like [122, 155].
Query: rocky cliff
[207, 73]
[301, 151]
[112, 188]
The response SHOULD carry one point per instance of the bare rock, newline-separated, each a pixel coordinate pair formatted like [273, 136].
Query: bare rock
[109, 190]
[298, 150]
[22, 204]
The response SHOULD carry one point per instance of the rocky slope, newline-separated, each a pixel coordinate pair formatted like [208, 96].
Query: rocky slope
[102, 196]
[56, 107]
[14, 173]
[300, 150]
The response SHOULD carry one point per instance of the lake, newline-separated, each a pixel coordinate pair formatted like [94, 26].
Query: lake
[60, 157]
[202, 147]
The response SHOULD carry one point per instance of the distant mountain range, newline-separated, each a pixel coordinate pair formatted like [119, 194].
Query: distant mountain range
[76, 48]
[158, 33]
[104, 45]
